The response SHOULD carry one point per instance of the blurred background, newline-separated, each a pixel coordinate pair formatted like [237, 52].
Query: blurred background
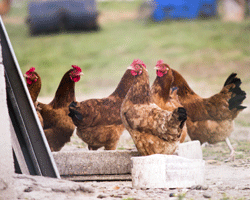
[205, 40]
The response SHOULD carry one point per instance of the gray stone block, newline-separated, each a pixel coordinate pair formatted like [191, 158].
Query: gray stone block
[85, 163]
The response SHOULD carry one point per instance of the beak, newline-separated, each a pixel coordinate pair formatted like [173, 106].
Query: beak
[156, 68]
[130, 67]
[81, 74]
[25, 75]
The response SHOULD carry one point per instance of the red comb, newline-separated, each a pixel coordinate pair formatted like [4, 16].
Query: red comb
[77, 68]
[138, 61]
[32, 69]
[159, 62]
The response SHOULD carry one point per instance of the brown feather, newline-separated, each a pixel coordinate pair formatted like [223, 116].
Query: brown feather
[35, 87]
[34, 90]
[58, 126]
[65, 93]
[100, 122]
[209, 119]
[162, 96]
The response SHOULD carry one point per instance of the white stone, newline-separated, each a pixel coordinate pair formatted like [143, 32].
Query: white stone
[166, 171]
[191, 150]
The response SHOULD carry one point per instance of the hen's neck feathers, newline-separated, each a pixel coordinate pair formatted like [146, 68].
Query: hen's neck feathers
[35, 88]
[164, 84]
[182, 85]
[140, 92]
[65, 93]
[124, 85]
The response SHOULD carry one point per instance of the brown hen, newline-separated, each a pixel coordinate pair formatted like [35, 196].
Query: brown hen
[153, 130]
[162, 94]
[211, 119]
[34, 84]
[58, 126]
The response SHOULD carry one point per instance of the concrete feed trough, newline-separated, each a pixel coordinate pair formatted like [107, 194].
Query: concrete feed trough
[167, 171]
[109, 165]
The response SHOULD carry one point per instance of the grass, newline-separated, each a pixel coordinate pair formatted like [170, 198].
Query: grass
[204, 51]
[220, 151]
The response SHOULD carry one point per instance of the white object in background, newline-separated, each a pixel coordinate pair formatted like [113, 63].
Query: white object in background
[191, 150]
[166, 171]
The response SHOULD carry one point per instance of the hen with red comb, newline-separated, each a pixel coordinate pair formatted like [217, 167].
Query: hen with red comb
[58, 126]
[31, 76]
[98, 121]
[162, 93]
[211, 119]
[34, 85]
[136, 65]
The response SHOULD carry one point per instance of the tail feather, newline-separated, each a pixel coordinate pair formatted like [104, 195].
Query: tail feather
[240, 107]
[230, 79]
[235, 102]
[238, 95]
[182, 116]
[73, 104]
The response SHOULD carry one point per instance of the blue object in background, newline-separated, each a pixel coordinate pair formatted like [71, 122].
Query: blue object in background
[52, 16]
[183, 9]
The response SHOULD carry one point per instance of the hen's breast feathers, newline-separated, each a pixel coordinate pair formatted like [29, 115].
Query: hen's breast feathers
[34, 90]
[151, 119]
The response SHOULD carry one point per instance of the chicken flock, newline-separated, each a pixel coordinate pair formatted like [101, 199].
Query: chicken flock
[158, 118]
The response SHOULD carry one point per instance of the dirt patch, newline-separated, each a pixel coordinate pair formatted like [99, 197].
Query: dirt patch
[103, 18]
[13, 20]
[116, 16]
[222, 181]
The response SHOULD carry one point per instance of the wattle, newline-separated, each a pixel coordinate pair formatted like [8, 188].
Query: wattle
[76, 79]
[29, 81]
[159, 73]
[133, 73]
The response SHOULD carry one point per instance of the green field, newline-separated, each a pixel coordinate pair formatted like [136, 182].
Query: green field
[204, 51]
